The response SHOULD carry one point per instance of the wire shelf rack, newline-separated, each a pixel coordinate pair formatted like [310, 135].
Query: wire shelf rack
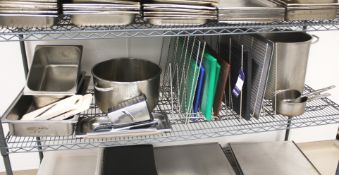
[65, 30]
[320, 112]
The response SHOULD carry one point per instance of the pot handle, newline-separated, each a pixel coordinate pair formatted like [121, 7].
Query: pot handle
[317, 97]
[315, 39]
[103, 89]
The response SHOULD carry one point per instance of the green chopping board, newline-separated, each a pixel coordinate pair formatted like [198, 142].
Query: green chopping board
[212, 70]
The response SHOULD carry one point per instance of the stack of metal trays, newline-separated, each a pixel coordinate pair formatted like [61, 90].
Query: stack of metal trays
[176, 12]
[101, 12]
[309, 9]
[28, 13]
[249, 11]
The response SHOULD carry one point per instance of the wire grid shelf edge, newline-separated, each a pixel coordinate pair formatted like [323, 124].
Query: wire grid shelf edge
[65, 30]
[320, 112]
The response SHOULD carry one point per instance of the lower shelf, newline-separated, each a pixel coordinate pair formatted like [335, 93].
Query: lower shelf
[319, 112]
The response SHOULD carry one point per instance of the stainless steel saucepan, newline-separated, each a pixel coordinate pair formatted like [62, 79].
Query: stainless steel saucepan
[291, 102]
[118, 80]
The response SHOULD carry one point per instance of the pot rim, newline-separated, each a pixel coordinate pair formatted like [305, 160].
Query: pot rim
[123, 82]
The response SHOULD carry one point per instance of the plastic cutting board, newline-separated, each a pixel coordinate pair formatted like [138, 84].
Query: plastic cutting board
[197, 99]
[190, 86]
[212, 68]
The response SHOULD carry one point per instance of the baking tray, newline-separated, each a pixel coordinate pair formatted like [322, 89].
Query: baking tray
[177, 6]
[267, 158]
[73, 162]
[127, 160]
[163, 126]
[196, 159]
[24, 104]
[188, 2]
[104, 19]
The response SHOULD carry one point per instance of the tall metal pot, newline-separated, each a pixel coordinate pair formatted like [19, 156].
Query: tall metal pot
[117, 80]
[289, 62]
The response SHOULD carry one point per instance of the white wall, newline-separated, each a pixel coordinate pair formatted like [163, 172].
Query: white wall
[322, 71]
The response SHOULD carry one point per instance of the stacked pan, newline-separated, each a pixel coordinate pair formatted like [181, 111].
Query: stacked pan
[250, 11]
[177, 12]
[101, 12]
[309, 10]
[28, 13]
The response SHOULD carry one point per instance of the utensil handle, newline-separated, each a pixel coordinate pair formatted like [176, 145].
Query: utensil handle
[317, 97]
[319, 91]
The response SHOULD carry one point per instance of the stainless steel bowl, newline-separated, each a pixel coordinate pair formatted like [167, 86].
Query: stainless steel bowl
[118, 80]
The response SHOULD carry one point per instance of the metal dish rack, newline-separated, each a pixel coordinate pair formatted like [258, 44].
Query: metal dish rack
[321, 112]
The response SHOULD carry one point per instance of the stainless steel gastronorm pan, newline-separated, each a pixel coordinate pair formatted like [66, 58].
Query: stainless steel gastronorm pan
[54, 73]
[27, 20]
[24, 104]
[54, 70]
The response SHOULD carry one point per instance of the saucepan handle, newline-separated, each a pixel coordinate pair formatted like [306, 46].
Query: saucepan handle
[320, 91]
[319, 96]
[315, 39]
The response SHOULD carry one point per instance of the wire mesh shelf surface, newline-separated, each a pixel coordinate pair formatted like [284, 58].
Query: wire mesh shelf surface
[65, 30]
[320, 112]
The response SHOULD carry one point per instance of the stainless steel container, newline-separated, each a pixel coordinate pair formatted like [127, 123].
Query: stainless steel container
[118, 80]
[310, 9]
[27, 21]
[24, 104]
[102, 19]
[289, 62]
[54, 73]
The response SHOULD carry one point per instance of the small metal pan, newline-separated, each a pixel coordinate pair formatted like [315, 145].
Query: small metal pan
[291, 103]
[180, 6]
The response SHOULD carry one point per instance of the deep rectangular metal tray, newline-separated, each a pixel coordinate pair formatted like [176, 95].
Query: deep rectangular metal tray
[24, 104]
[27, 20]
[55, 70]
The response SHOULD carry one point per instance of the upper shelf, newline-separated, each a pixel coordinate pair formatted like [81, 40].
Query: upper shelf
[64, 30]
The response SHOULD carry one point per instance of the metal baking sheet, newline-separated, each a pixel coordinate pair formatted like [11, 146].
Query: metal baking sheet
[83, 12]
[105, 1]
[71, 162]
[267, 158]
[197, 159]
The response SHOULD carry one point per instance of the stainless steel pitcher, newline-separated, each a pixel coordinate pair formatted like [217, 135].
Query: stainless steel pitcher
[289, 62]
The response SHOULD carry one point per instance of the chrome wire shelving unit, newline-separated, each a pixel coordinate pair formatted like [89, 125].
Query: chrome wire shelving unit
[65, 30]
[320, 112]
